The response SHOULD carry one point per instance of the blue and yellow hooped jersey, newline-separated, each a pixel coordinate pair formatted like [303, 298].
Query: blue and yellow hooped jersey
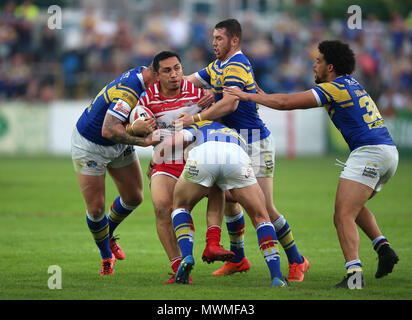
[236, 71]
[204, 131]
[128, 87]
[353, 112]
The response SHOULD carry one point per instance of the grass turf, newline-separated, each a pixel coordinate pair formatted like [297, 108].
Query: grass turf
[42, 223]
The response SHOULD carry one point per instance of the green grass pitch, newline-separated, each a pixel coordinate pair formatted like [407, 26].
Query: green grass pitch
[42, 223]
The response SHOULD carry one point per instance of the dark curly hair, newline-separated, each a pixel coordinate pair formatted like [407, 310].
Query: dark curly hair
[339, 54]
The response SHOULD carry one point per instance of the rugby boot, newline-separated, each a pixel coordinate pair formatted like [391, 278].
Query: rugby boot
[116, 249]
[185, 267]
[297, 270]
[172, 279]
[349, 282]
[107, 266]
[279, 282]
[231, 267]
[387, 259]
[215, 252]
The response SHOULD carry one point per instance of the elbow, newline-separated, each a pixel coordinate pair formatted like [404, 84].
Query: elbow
[232, 106]
[283, 104]
[107, 133]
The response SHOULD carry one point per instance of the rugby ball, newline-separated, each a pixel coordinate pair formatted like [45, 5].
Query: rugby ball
[139, 113]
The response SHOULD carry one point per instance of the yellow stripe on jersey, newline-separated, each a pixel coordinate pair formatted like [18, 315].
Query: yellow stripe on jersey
[118, 93]
[347, 104]
[232, 73]
[106, 97]
[332, 92]
[236, 72]
[240, 64]
[128, 89]
[200, 124]
[338, 84]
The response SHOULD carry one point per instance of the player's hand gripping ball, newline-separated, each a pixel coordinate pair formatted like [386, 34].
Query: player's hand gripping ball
[141, 121]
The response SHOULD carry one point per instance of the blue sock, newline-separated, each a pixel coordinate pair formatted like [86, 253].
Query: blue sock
[285, 237]
[118, 212]
[269, 247]
[100, 232]
[184, 230]
[236, 229]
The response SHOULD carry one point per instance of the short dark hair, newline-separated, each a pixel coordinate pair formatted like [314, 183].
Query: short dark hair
[232, 26]
[163, 56]
[339, 54]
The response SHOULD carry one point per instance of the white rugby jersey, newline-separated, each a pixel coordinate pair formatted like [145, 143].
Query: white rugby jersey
[166, 109]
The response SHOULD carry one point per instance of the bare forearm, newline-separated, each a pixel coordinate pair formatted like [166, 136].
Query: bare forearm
[193, 79]
[280, 101]
[220, 109]
[114, 130]
[274, 101]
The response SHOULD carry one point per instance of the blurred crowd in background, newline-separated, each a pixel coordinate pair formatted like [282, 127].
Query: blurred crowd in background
[41, 64]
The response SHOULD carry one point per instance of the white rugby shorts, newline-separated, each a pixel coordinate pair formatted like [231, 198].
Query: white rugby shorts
[371, 165]
[225, 164]
[262, 153]
[92, 159]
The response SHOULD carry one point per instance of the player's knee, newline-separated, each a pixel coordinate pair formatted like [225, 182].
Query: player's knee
[135, 199]
[95, 210]
[232, 208]
[163, 209]
[338, 219]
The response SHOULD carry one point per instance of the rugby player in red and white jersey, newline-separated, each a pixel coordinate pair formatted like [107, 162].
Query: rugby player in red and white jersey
[167, 99]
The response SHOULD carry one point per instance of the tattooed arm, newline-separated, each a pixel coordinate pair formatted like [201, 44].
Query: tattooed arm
[113, 129]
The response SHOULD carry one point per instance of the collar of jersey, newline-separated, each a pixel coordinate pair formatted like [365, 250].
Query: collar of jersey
[162, 97]
[227, 60]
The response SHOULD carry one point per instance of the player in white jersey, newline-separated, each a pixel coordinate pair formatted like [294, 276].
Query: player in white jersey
[167, 98]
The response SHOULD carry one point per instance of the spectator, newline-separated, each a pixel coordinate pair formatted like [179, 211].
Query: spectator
[398, 31]
[177, 32]
[392, 101]
[92, 48]
[18, 75]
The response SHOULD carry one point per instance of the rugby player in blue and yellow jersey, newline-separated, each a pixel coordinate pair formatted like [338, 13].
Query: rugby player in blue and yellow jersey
[232, 68]
[218, 158]
[373, 159]
[100, 143]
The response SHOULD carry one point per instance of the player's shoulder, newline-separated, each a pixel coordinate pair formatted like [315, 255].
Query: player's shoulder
[131, 80]
[238, 62]
[189, 88]
[239, 58]
[337, 89]
[129, 76]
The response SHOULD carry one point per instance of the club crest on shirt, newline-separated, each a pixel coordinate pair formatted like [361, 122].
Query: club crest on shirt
[91, 164]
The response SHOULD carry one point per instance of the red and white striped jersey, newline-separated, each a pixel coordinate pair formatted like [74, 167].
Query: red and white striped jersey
[166, 109]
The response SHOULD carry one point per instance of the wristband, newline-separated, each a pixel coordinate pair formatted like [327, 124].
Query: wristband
[200, 118]
[129, 129]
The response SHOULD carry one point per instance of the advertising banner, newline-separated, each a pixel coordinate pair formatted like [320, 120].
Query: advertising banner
[23, 129]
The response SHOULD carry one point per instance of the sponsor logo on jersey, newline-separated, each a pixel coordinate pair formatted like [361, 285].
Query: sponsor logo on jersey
[371, 170]
[351, 81]
[122, 107]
